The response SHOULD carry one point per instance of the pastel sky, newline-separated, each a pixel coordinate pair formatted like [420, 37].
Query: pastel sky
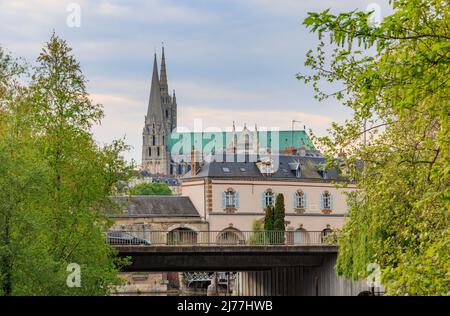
[227, 59]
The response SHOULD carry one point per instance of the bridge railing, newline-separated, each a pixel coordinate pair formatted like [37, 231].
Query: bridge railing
[219, 238]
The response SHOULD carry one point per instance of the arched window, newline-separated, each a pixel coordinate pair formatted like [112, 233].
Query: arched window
[326, 201]
[301, 237]
[182, 236]
[230, 199]
[267, 198]
[325, 233]
[149, 151]
[153, 140]
[230, 236]
[299, 200]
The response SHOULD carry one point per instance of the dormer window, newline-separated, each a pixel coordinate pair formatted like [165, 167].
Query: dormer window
[266, 166]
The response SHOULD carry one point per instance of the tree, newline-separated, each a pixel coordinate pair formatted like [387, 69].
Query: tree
[279, 218]
[269, 218]
[395, 79]
[20, 172]
[55, 181]
[258, 236]
[151, 189]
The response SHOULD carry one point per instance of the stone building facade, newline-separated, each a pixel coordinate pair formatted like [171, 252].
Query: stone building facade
[156, 219]
[232, 195]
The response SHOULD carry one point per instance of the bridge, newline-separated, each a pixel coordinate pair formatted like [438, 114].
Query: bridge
[269, 263]
[187, 250]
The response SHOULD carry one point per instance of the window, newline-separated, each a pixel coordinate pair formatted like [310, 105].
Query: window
[326, 201]
[230, 199]
[167, 113]
[149, 151]
[226, 169]
[299, 200]
[153, 140]
[158, 152]
[326, 235]
[242, 169]
[267, 198]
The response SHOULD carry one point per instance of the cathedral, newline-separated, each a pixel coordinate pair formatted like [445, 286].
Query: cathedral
[166, 152]
[160, 120]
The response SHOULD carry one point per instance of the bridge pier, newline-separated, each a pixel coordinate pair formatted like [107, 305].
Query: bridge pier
[298, 280]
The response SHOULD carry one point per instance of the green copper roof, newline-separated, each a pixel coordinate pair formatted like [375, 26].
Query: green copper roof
[270, 139]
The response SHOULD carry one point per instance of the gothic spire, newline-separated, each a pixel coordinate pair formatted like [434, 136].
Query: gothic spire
[163, 76]
[154, 111]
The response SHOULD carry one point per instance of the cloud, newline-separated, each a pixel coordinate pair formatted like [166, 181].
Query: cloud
[223, 118]
[204, 91]
[300, 8]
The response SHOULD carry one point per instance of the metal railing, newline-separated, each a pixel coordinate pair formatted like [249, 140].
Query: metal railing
[180, 237]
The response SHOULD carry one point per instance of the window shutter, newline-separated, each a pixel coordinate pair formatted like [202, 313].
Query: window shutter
[236, 202]
[294, 200]
[305, 200]
[321, 201]
[331, 201]
[224, 203]
[263, 200]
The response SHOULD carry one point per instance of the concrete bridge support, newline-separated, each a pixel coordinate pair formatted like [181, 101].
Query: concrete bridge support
[299, 280]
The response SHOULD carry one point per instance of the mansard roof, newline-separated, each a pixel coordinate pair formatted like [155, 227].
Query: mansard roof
[310, 168]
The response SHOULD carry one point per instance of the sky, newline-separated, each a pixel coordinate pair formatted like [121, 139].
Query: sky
[228, 60]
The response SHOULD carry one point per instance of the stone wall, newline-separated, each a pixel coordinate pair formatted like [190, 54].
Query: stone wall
[143, 283]
[298, 281]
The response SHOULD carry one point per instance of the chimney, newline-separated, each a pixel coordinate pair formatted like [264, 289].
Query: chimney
[290, 151]
[195, 162]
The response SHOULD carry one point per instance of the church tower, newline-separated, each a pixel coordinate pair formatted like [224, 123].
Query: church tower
[159, 123]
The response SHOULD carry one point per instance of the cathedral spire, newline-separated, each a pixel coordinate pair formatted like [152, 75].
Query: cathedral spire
[163, 76]
[154, 111]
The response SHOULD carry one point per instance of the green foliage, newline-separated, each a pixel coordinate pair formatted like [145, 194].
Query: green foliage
[258, 236]
[279, 219]
[395, 79]
[55, 181]
[269, 218]
[151, 189]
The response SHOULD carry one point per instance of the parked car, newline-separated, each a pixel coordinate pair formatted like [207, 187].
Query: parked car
[123, 238]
